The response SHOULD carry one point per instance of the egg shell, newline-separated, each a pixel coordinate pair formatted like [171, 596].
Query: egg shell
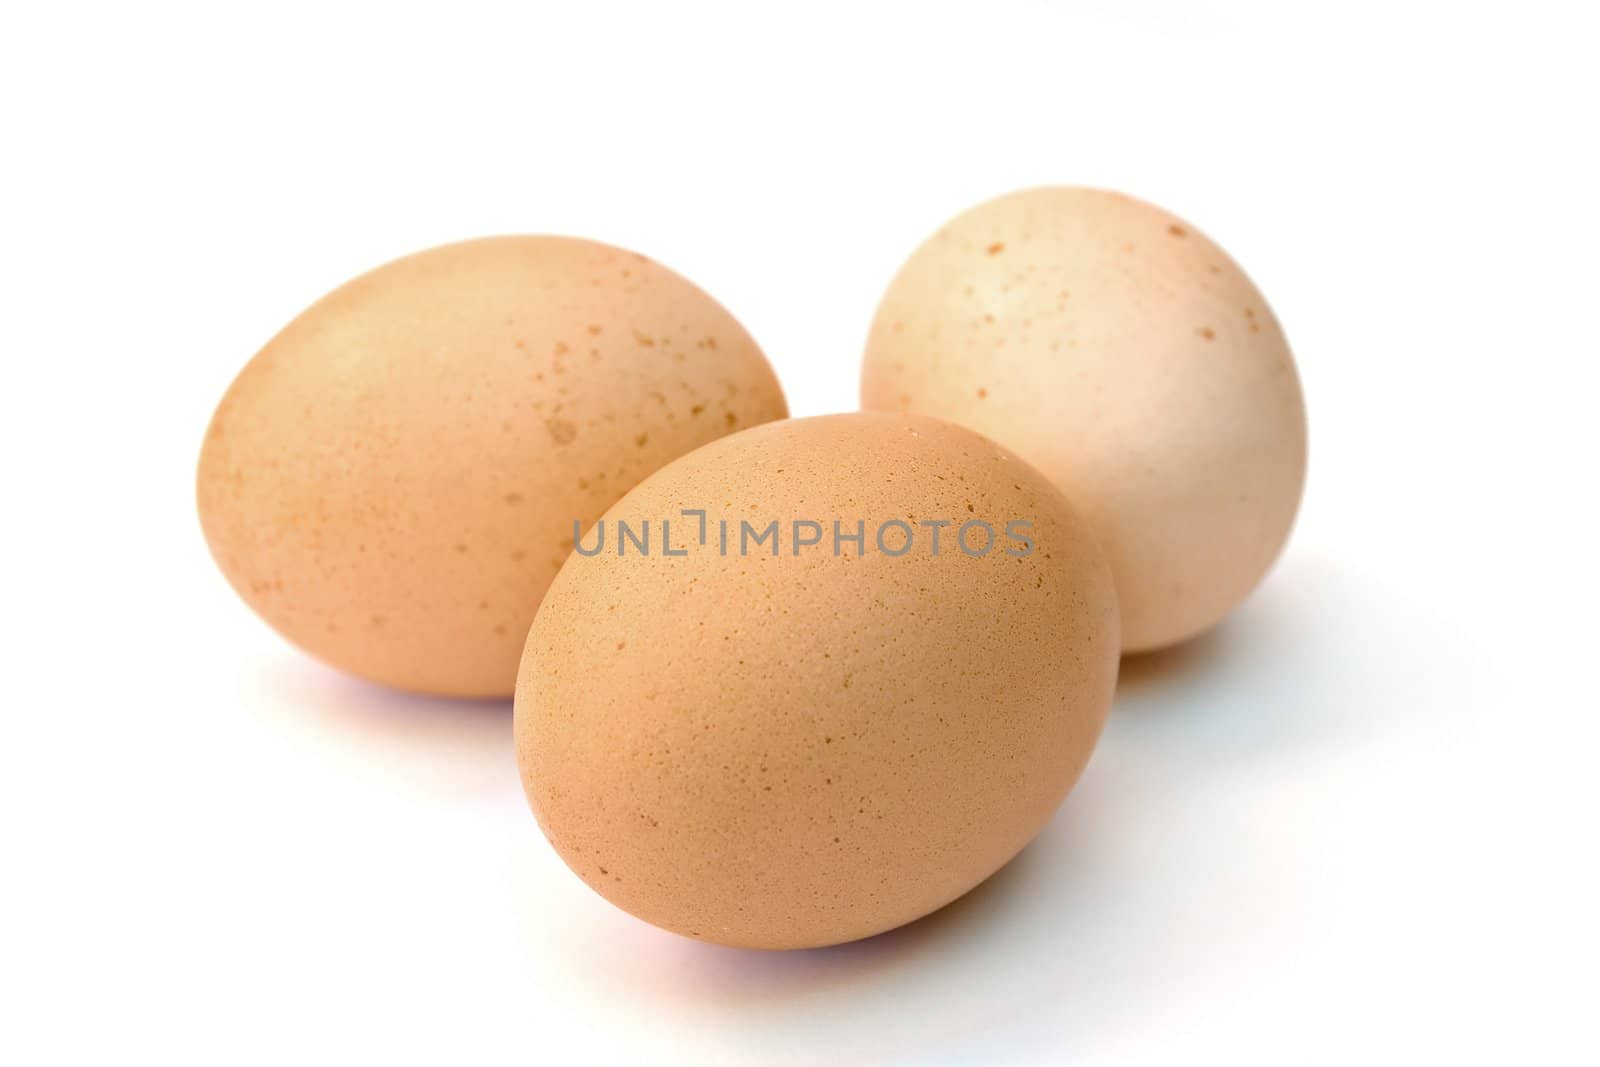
[392, 481]
[800, 749]
[1127, 356]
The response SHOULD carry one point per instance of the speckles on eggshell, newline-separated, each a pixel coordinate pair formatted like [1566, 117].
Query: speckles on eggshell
[562, 432]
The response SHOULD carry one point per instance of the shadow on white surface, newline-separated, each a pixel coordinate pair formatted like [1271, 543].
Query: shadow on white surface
[433, 743]
[1275, 678]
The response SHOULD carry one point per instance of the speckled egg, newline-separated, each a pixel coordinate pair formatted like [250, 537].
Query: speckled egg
[1119, 349]
[392, 481]
[816, 679]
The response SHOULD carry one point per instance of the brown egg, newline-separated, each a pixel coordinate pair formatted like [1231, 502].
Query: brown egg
[1122, 352]
[806, 739]
[391, 482]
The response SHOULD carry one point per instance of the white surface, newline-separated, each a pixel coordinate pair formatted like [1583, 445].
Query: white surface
[1355, 825]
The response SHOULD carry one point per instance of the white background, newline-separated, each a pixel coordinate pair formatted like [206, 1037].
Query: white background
[1355, 825]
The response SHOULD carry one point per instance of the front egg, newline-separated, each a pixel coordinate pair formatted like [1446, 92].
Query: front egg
[815, 680]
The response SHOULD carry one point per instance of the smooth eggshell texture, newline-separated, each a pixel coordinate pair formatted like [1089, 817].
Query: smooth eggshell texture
[392, 481]
[1120, 350]
[798, 750]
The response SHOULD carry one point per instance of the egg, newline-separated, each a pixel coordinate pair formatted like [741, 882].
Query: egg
[1121, 351]
[391, 482]
[816, 679]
